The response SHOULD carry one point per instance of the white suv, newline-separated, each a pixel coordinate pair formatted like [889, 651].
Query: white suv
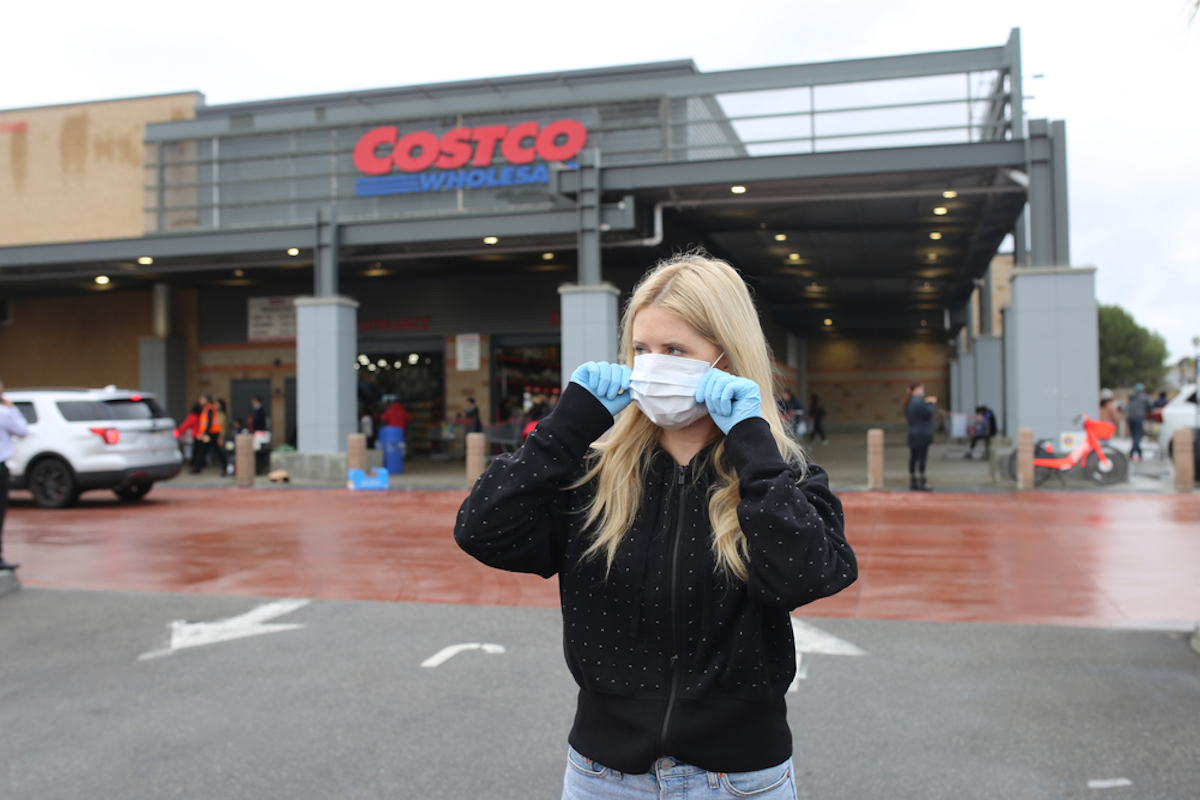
[81, 439]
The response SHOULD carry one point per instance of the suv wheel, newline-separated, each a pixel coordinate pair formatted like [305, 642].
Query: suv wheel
[135, 492]
[52, 484]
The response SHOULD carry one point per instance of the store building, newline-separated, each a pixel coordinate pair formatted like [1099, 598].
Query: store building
[476, 239]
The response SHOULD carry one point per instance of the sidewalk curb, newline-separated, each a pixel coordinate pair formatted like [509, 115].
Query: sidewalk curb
[9, 582]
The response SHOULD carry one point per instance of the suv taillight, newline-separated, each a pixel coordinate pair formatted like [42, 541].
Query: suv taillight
[109, 435]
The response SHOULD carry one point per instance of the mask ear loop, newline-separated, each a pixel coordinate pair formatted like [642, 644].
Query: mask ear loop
[710, 366]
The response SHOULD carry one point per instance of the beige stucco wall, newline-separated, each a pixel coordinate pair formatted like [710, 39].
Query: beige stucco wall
[75, 172]
[862, 382]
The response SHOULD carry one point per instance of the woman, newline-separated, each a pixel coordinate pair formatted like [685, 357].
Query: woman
[918, 410]
[681, 540]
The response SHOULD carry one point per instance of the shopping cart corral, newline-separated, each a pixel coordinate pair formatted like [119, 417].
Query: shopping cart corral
[504, 436]
[446, 441]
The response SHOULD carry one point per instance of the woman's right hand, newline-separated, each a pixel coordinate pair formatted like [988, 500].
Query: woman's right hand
[931, 400]
[608, 383]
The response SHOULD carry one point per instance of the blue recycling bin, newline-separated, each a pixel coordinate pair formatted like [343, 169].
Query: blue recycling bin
[391, 442]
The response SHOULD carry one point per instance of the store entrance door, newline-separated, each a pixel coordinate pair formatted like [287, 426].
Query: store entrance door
[415, 375]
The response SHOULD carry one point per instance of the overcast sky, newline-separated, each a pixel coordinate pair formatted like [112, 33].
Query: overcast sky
[1124, 75]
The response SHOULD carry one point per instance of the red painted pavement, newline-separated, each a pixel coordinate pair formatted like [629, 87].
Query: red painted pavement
[1116, 560]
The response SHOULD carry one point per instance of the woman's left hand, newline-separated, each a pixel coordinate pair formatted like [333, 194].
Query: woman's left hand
[730, 399]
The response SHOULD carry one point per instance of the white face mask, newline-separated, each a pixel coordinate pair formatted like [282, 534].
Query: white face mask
[664, 388]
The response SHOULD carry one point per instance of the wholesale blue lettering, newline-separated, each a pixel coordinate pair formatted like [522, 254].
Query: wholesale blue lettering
[443, 181]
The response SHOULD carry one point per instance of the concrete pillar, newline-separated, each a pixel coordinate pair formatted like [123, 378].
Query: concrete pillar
[590, 227]
[476, 446]
[589, 325]
[326, 388]
[1052, 350]
[875, 459]
[161, 362]
[243, 460]
[1183, 449]
[356, 451]
[1025, 459]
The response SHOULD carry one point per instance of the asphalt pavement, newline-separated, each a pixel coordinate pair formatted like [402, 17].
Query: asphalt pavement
[341, 706]
[211, 642]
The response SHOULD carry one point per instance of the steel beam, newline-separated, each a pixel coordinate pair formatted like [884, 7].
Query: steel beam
[557, 91]
[932, 158]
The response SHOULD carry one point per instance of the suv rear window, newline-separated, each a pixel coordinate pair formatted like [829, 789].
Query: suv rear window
[27, 411]
[100, 410]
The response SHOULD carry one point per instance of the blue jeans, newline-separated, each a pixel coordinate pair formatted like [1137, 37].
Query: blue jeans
[588, 780]
[1136, 428]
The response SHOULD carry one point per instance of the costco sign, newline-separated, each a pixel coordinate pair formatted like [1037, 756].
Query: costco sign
[461, 158]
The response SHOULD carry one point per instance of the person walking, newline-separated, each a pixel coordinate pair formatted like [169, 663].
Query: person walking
[1136, 409]
[366, 425]
[470, 414]
[681, 540]
[918, 410]
[12, 423]
[208, 435]
[816, 410]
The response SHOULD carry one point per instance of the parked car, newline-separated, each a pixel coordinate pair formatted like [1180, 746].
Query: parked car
[83, 439]
[1179, 413]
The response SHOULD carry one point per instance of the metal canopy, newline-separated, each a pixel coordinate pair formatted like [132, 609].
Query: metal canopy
[871, 195]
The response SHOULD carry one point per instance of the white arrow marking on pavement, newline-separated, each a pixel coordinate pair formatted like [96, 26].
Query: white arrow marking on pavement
[810, 639]
[186, 634]
[447, 653]
[1109, 783]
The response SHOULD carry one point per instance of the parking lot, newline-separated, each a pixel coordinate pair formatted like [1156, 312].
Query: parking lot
[271, 643]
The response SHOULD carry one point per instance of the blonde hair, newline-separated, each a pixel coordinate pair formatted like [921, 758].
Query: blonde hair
[711, 296]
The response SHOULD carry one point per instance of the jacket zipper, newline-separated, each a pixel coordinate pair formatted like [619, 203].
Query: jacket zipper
[662, 737]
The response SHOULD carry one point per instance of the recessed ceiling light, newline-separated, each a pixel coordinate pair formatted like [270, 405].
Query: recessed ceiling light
[934, 235]
[547, 256]
[145, 261]
[490, 240]
[237, 273]
[940, 210]
[738, 189]
[293, 251]
[949, 194]
[793, 256]
[781, 237]
[926, 286]
[102, 280]
[828, 322]
[923, 323]
[933, 256]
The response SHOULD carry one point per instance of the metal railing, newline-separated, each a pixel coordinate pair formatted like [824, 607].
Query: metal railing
[247, 178]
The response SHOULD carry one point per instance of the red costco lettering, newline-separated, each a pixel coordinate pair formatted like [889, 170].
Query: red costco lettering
[402, 155]
[417, 151]
[365, 152]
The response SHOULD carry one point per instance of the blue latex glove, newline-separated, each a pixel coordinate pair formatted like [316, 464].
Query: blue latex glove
[730, 399]
[608, 383]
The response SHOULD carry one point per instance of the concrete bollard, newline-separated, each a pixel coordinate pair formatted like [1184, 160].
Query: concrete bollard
[356, 451]
[875, 459]
[243, 460]
[1184, 455]
[1025, 459]
[476, 445]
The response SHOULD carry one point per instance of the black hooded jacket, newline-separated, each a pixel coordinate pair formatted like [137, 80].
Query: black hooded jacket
[672, 657]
